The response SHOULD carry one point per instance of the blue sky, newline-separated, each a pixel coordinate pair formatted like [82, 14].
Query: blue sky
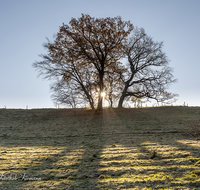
[25, 24]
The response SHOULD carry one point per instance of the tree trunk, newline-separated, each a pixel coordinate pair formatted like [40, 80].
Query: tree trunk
[100, 101]
[121, 100]
[110, 100]
[92, 105]
[88, 97]
[90, 100]
[111, 103]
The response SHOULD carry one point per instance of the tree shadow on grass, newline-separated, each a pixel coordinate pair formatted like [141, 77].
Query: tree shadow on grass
[70, 166]
[103, 152]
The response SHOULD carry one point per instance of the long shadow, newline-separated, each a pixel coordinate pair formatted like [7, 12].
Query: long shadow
[77, 174]
[114, 153]
[178, 163]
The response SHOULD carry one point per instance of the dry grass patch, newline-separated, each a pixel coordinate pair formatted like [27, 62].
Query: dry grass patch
[193, 130]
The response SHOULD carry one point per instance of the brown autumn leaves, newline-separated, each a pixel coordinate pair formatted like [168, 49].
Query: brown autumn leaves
[94, 55]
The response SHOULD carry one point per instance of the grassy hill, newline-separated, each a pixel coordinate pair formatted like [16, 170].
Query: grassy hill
[117, 149]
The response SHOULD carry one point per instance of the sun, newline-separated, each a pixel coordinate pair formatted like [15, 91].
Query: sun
[103, 94]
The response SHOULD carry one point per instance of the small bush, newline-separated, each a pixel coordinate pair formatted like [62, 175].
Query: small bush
[193, 129]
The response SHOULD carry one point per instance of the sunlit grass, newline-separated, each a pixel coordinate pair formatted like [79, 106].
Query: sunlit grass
[118, 165]
[192, 143]
[171, 165]
[97, 152]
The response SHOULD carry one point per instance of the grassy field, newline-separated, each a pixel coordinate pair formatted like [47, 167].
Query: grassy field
[80, 149]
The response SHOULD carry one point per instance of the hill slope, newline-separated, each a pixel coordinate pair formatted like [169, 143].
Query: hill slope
[81, 149]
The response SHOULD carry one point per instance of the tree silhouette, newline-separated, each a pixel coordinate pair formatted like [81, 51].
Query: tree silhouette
[86, 57]
[86, 45]
[147, 74]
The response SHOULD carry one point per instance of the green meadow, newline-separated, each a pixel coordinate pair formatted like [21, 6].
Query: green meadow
[144, 148]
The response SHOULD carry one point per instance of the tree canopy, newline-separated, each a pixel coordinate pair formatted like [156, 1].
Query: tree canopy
[94, 55]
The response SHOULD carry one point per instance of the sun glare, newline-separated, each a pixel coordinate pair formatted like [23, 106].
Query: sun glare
[103, 94]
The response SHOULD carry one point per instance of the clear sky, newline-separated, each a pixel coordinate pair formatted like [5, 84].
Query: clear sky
[25, 24]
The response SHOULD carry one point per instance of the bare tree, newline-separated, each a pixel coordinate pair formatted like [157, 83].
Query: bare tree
[86, 45]
[86, 56]
[147, 73]
[68, 94]
[113, 87]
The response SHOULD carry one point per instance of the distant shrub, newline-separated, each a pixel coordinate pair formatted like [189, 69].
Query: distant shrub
[193, 129]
